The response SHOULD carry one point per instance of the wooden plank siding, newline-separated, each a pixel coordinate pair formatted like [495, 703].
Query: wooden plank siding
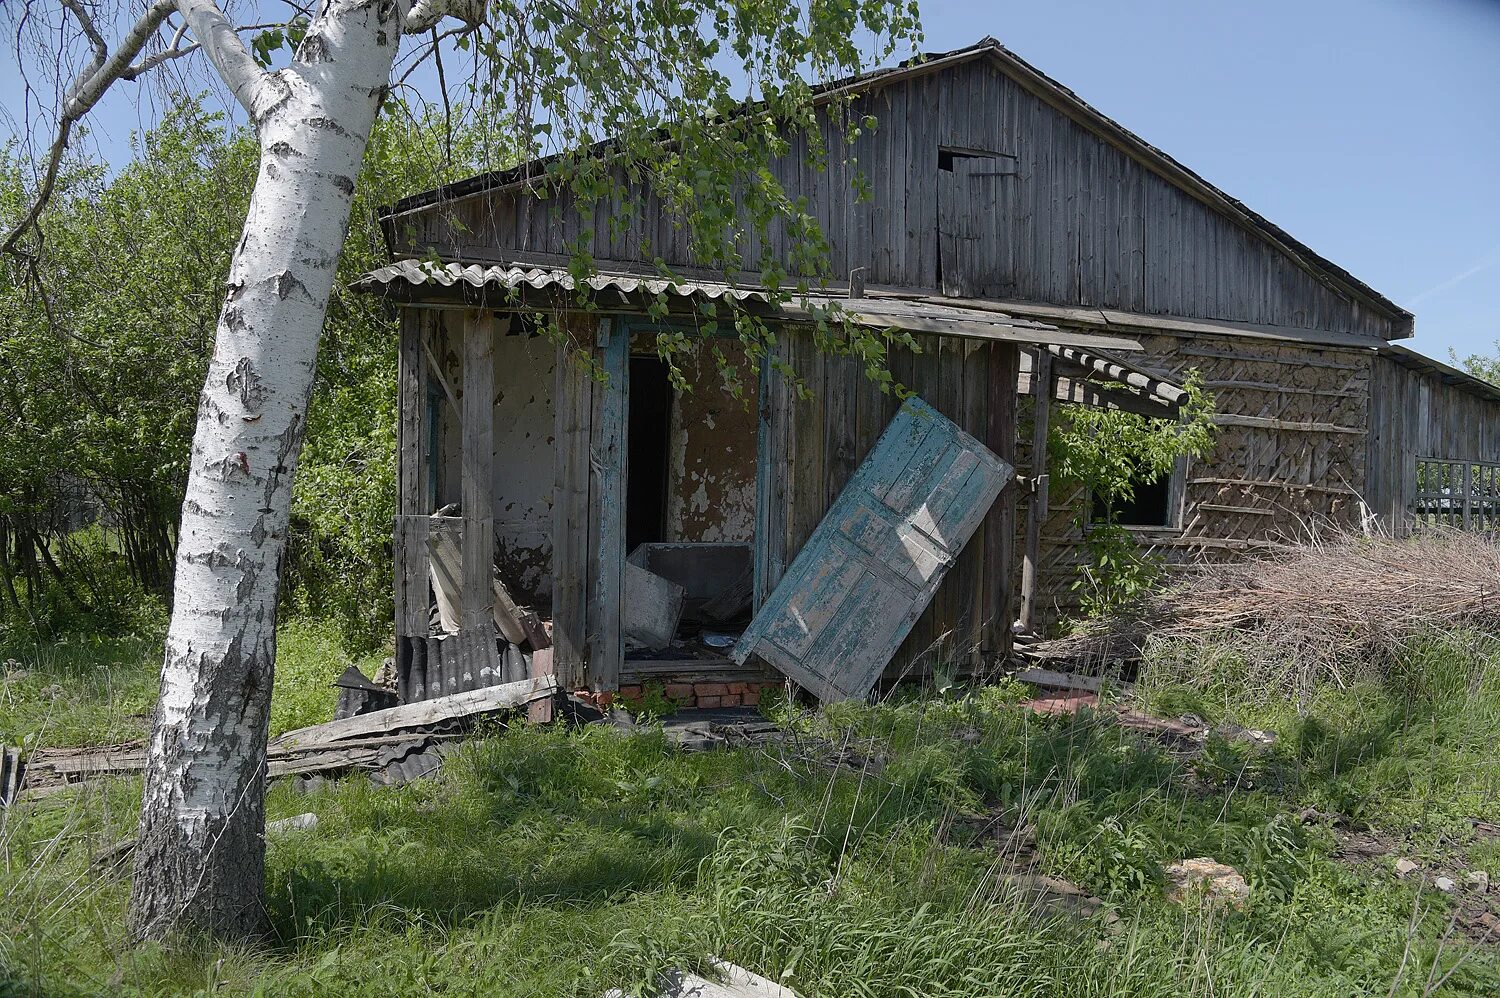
[967, 624]
[573, 520]
[608, 466]
[1070, 218]
[876, 561]
[1414, 415]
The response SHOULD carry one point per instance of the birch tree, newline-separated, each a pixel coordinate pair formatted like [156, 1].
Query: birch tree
[664, 80]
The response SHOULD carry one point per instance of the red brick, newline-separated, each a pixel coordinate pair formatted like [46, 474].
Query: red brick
[605, 699]
[708, 701]
[678, 691]
[750, 699]
[732, 700]
[739, 688]
[710, 689]
[630, 693]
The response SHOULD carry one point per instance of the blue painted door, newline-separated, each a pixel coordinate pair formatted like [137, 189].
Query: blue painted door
[875, 561]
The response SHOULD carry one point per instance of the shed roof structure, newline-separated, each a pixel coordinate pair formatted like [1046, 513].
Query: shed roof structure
[1055, 95]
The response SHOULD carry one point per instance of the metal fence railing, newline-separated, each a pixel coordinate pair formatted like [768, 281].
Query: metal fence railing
[1460, 494]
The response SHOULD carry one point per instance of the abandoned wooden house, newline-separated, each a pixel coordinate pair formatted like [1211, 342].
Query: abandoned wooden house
[1037, 251]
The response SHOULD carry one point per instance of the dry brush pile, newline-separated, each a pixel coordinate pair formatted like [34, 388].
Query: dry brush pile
[1335, 611]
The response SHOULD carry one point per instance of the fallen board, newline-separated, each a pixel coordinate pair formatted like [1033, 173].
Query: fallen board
[875, 561]
[48, 768]
[415, 715]
[1071, 681]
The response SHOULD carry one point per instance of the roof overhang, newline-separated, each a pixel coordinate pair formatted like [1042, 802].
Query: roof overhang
[1085, 370]
[1446, 373]
[502, 286]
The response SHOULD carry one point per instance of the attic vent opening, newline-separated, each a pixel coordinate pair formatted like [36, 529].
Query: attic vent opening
[989, 163]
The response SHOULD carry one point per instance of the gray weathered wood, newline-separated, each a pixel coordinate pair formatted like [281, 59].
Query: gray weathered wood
[415, 715]
[508, 616]
[651, 608]
[477, 469]
[1000, 524]
[572, 523]
[733, 982]
[1069, 680]
[1038, 508]
[1078, 212]
[410, 548]
[611, 404]
[446, 561]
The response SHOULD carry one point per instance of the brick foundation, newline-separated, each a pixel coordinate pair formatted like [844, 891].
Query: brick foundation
[687, 696]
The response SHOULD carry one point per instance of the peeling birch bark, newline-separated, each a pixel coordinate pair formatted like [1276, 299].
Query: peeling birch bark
[200, 862]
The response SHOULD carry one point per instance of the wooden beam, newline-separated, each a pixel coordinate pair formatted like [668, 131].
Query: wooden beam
[611, 406]
[1268, 423]
[571, 523]
[475, 643]
[409, 542]
[477, 469]
[772, 447]
[415, 715]
[1004, 364]
[1037, 508]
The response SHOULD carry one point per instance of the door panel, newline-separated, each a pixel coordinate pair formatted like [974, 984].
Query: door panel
[876, 560]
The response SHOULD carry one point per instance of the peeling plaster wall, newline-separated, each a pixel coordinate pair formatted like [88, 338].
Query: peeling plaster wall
[522, 493]
[711, 460]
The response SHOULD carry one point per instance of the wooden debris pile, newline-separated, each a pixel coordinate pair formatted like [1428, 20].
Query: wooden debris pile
[501, 642]
[394, 745]
[1333, 611]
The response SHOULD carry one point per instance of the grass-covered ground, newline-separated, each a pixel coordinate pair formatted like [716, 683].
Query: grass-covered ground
[866, 859]
[94, 690]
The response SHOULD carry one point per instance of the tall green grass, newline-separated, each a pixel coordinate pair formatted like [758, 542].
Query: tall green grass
[556, 863]
[82, 689]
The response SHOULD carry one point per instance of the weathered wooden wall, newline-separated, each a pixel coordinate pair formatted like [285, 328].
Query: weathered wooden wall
[1060, 216]
[1415, 415]
[1290, 455]
[811, 447]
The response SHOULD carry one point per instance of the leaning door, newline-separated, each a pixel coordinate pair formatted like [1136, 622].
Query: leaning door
[876, 560]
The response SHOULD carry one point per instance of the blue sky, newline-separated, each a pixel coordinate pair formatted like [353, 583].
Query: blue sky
[1369, 129]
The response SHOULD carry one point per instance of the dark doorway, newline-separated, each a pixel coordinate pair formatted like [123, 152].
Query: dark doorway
[650, 431]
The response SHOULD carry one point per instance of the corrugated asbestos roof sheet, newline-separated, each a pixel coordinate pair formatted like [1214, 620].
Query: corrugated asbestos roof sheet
[406, 278]
[418, 272]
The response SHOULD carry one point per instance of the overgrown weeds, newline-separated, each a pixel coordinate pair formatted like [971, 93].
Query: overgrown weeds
[1337, 612]
[99, 690]
[556, 863]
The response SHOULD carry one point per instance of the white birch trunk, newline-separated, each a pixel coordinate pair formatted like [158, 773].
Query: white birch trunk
[200, 862]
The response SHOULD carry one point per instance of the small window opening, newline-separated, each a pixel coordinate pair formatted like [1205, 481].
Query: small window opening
[1149, 506]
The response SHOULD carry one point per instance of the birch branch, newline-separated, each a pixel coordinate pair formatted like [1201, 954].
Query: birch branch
[225, 49]
[214, 34]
